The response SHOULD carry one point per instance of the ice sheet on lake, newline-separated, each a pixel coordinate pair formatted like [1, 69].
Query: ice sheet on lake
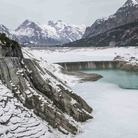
[115, 109]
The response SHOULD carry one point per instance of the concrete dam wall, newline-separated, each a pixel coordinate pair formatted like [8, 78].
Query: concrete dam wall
[91, 65]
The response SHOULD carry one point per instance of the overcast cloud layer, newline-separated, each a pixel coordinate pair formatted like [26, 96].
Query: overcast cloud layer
[14, 12]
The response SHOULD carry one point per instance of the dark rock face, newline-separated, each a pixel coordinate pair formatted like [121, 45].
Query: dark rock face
[39, 90]
[126, 14]
[131, 65]
[9, 48]
[125, 35]
[35, 93]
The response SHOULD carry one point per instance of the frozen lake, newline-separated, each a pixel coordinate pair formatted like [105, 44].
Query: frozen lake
[55, 55]
[115, 109]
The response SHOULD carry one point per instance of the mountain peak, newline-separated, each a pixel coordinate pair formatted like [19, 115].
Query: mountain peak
[131, 3]
[59, 21]
[29, 22]
[51, 23]
[125, 14]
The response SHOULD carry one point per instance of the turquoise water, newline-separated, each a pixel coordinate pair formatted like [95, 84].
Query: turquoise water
[126, 80]
[114, 100]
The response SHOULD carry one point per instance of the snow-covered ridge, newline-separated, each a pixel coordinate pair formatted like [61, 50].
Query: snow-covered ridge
[54, 32]
[131, 3]
[125, 14]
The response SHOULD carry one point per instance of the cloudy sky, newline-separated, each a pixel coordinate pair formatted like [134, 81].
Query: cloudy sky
[14, 12]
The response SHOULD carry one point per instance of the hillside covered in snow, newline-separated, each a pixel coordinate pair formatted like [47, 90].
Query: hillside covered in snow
[31, 95]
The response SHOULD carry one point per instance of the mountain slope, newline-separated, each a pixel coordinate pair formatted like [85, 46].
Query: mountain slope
[52, 33]
[127, 13]
[38, 89]
[31, 32]
[67, 32]
[125, 35]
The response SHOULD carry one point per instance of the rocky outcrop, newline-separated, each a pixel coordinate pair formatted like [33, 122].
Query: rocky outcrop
[129, 67]
[48, 102]
[126, 14]
[130, 64]
[39, 90]
[9, 48]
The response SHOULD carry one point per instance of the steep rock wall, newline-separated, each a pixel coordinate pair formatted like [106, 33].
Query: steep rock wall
[25, 79]
[116, 64]
[90, 65]
[39, 90]
[9, 48]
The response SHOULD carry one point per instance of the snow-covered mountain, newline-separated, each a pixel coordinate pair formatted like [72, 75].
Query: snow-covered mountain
[4, 29]
[125, 35]
[49, 34]
[67, 32]
[126, 14]
[31, 32]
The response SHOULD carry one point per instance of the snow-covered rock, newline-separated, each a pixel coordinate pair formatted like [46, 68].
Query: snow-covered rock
[38, 89]
[125, 14]
[18, 121]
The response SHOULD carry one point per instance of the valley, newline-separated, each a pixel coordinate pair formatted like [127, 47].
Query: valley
[69, 80]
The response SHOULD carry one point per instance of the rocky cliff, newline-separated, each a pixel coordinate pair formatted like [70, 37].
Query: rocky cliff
[126, 14]
[118, 63]
[39, 90]
[9, 48]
